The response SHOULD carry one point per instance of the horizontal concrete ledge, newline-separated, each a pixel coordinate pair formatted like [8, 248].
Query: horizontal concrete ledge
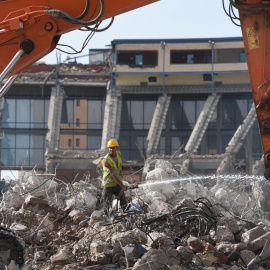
[75, 83]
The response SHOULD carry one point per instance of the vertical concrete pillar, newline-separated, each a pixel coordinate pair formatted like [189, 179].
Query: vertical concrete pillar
[112, 117]
[157, 123]
[240, 134]
[202, 123]
[237, 142]
[54, 118]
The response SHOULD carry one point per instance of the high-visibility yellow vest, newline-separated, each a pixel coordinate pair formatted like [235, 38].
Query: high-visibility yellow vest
[108, 181]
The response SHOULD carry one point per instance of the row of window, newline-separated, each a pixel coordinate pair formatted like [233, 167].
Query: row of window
[150, 58]
[83, 113]
[132, 147]
[23, 150]
[137, 114]
[25, 113]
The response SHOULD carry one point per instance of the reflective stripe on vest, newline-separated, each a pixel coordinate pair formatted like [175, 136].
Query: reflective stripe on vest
[108, 181]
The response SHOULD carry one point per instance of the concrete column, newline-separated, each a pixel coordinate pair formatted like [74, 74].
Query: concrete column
[202, 123]
[157, 123]
[240, 134]
[236, 142]
[112, 118]
[54, 118]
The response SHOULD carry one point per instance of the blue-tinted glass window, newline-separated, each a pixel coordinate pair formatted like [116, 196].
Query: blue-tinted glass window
[37, 157]
[190, 58]
[37, 141]
[213, 121]
[184, 113]
[234, 113]
[242, 57]
[241, 110]
[177, 142]
[37, 113]
[225, 139]
[22, 157]
[199, 107]
[138, 59]
[23, 113]
[137, 114]
[8, 141]
[68, 111]
[125, 116]
[176, 114]
[162, 147]
[22, 141]
[212, 144]
[189, 112]
[9, 115]
[47, 107]
[93, 142]
[23, 149]
[148, 112]
[95, 114]
[130, 150]
[8, 156]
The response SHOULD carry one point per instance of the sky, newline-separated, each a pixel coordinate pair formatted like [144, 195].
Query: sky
[164, 19]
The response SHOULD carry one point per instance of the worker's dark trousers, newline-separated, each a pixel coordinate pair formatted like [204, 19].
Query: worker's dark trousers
[107, 197]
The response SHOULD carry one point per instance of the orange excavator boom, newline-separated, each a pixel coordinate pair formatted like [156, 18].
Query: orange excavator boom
[30, 29]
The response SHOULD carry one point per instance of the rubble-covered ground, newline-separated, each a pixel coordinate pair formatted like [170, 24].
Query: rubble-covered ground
[172, 223]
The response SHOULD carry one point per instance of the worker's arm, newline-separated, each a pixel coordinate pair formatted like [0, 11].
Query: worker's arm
[127, 168]
[116, 179]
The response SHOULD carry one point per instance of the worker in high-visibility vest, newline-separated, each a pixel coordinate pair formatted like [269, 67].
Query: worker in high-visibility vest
[113, 176]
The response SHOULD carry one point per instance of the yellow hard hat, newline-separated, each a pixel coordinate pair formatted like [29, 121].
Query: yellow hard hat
[112, 143]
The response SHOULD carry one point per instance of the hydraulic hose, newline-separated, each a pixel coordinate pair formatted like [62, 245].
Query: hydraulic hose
[64, 15]
[87, 6]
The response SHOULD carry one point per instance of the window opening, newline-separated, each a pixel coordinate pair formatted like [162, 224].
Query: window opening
[190, 58]
[242, 57]
[139, 60]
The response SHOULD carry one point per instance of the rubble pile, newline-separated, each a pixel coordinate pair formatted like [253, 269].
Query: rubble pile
[170, 223]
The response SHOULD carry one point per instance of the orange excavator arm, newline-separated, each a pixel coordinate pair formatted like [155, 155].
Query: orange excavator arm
[254, 17]
[30, 29]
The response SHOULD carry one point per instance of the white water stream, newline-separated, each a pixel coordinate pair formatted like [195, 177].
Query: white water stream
[234, 177]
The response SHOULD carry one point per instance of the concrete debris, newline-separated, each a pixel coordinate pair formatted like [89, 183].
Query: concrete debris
[172, 223]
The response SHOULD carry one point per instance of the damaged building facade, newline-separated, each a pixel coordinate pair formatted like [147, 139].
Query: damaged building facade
[154, 96]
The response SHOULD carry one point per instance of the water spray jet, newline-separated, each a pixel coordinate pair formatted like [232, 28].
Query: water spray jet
[238, 177]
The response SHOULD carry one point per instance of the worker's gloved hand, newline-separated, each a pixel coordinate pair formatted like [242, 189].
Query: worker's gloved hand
[125, 188]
